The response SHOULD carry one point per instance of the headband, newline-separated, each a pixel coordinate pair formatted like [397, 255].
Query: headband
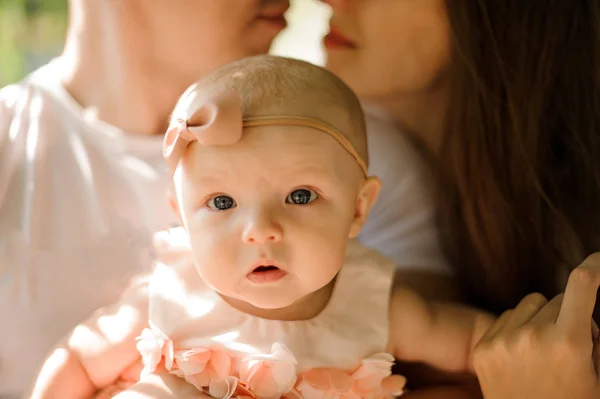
[220, 122]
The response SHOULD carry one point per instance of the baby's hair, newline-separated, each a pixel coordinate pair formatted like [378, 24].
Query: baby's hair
[277, 86]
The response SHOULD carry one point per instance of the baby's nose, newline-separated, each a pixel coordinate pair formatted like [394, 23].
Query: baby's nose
[261, 230]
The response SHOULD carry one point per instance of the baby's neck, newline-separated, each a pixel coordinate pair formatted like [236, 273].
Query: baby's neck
[304, 309]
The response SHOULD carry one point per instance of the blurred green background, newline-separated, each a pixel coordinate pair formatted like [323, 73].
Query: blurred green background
[33, 31]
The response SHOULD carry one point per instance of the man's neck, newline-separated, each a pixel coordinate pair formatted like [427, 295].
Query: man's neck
[116, 73]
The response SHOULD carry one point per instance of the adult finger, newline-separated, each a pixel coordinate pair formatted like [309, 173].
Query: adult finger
[525, 311]
[580, 297]
[497, 326]
[549, 313]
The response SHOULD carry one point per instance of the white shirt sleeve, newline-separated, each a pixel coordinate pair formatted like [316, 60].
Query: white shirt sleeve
[8, 99]
[402, 224]
[79, 201]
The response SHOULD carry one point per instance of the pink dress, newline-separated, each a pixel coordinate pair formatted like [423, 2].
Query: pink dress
[340, 353]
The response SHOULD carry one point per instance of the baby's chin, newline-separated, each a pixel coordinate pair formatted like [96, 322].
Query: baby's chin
[272, 301]
[286, 304]
[265, 303]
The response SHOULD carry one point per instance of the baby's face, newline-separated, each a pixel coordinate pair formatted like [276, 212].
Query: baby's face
[269, 217]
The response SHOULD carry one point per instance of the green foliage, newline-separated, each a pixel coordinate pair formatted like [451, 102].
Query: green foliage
[31, 32]
[32, 6]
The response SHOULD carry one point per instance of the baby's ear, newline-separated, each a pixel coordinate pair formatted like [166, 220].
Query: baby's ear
[364, 203]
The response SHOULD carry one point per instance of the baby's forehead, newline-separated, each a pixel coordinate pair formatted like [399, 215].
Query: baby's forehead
[274, 150]
[317, 103]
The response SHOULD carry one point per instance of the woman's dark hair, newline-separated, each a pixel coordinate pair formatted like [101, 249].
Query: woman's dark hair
[520, 162]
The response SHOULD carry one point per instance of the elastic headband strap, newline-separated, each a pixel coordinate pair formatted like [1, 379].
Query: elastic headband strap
[311, 123]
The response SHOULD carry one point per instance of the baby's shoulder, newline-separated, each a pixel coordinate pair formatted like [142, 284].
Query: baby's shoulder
[174, 268]
[365, 279]
[172, 249]
[362, 260]
[375, 275]
[175, 283]
[171, 245]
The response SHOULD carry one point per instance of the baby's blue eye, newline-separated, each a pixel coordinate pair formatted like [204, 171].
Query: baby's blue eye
[301, 196]
[221, 203]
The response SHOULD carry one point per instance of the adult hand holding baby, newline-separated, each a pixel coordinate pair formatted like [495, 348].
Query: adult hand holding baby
[159, 385]
[545, 349]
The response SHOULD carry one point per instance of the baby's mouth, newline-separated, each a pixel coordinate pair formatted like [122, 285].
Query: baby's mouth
[266, 274]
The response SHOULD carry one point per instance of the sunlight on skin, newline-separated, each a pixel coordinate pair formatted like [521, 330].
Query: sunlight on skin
[111, 330]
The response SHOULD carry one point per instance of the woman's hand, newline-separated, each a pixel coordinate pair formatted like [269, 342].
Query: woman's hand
[545, 350]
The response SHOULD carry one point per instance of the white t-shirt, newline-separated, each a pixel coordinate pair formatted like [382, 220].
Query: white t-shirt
[402, 223]
[80, 199]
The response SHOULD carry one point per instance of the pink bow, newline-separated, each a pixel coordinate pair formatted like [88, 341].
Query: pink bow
[216, 122]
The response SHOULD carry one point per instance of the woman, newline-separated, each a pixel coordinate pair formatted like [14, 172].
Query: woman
[505, 95]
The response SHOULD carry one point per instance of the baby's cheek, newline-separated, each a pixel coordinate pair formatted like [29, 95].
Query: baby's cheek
[216, 270]
[205, 241]
[324, 254]
[216, 279]
[333, 236]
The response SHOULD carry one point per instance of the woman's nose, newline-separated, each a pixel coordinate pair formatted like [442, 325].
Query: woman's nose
[262, 228]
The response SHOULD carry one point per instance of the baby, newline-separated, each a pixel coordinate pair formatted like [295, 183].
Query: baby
[264, 291]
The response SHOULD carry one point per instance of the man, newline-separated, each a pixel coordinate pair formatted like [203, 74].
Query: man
[82, 181]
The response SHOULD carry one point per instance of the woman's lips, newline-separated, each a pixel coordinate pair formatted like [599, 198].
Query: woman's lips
[275, 10]
[275, 16]
[277, 22]
[336, 40]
